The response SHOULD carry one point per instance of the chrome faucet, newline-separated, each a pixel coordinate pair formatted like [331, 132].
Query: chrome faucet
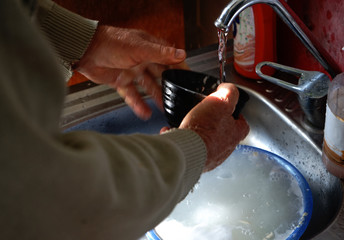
[235, 7]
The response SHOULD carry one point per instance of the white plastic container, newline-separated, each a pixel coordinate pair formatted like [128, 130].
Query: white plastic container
[333, 146]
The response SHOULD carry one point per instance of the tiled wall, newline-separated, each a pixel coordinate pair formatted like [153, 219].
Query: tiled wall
[325, 19]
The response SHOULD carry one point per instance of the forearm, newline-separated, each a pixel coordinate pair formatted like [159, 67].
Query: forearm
[95, 186]
[77, 185]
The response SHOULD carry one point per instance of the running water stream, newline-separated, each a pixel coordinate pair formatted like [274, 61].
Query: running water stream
[222, 53]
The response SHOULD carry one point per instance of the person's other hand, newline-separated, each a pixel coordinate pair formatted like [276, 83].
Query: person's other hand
[212, 120]
[127, 58]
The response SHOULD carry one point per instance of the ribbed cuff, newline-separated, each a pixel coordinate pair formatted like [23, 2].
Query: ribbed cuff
[69, 33]
[195, 153]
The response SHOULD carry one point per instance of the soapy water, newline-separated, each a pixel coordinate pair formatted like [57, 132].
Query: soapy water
[248, 197]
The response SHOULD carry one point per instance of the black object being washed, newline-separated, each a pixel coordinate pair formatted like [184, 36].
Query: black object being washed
[184, 89]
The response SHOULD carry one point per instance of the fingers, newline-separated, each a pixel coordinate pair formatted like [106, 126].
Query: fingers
[122, 58]
[135, 101]
[212, 120]
[127, 86]
[182, 65]
[145, 77]
[227, 93]
[156, 69]
[164, 129]
[151, 87]
[243, 125]
[161, 54]
[233, 131]
[157, 50]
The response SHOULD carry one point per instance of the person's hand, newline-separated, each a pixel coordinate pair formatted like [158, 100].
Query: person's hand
[212, 120]
[127, 58]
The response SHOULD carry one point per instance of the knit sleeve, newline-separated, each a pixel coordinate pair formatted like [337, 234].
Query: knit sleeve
[81, 184]
[124, 185]
[69, 33]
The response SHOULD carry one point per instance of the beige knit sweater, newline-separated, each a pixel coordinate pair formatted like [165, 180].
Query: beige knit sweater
[79, 185]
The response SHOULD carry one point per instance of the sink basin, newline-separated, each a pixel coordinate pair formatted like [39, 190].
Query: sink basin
[271, 129]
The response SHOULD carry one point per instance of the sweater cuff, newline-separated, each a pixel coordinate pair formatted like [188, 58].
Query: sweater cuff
[195, 152]
[69, 33]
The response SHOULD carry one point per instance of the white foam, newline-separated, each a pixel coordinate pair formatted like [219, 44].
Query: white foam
[247, 197]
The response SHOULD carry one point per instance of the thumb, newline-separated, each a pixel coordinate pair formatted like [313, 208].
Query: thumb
[226, 93]
[161, 54]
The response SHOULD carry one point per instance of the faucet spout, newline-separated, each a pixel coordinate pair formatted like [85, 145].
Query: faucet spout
[235, 7]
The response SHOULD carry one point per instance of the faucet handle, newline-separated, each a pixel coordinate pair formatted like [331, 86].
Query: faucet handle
[312, 89]
[311, 84]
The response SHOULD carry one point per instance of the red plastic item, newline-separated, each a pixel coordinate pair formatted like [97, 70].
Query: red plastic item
[254, 40]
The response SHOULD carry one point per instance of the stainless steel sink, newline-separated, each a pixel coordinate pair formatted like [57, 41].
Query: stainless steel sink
[273, 128]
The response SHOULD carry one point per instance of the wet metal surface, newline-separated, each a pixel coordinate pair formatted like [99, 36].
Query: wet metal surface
[276, 122]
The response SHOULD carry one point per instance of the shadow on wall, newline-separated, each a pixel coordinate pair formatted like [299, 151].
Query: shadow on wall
[199, 17]
[324, 19]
